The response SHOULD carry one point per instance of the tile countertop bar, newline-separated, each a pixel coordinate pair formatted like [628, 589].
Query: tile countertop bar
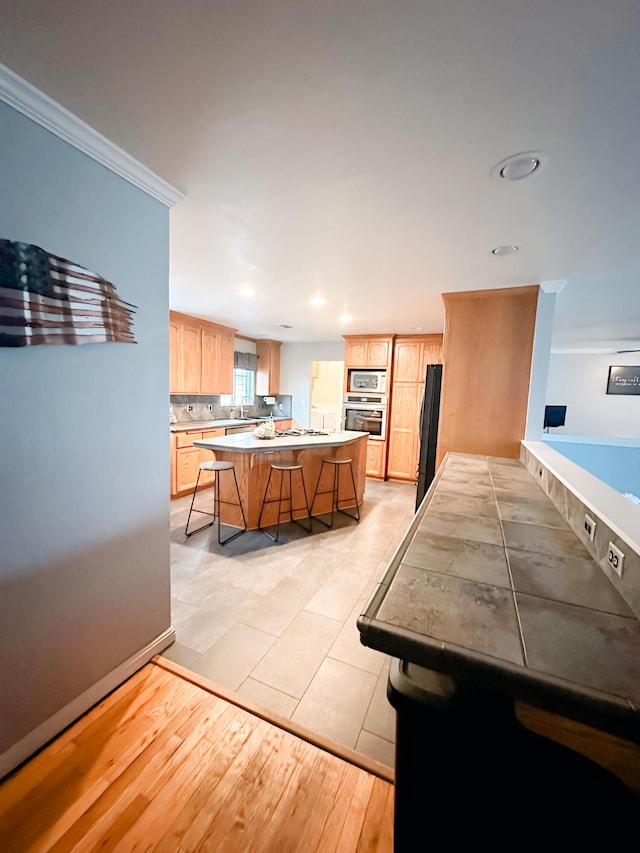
[490, 585]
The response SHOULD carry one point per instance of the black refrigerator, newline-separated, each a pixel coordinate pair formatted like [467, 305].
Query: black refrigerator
[429, 415]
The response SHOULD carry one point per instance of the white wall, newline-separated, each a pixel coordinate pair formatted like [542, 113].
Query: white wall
[296, 372]
[540, 365]
[579, 381]
[84, 458]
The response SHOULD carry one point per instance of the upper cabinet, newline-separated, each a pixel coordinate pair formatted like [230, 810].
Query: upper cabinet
[368, 351]
[201, 356]
[268, 375]
[412, 354]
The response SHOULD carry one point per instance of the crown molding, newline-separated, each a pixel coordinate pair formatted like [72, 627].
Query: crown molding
[34, 104]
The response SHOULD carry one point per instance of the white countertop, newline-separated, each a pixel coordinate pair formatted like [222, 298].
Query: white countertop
[246, 442]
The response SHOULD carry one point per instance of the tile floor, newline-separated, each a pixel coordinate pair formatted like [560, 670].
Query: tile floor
[276, 622]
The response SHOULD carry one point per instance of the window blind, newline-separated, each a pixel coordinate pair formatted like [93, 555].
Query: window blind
[245, 361]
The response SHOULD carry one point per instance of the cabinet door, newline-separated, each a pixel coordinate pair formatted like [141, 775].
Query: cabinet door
[431, 354]
[210, 357]
[378, 353]
[375, 458]
[175, 329]
[355, 353]
[268, 375]
[191, 350]
[224, 384]
[407, 361]
[188, 464]
[403, 433]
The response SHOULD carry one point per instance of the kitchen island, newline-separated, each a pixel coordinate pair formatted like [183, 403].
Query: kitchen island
[491, 600]
[252, 458]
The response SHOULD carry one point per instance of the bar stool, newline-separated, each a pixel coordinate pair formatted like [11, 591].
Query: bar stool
[217, 468]
[338, 465]
[284, 468]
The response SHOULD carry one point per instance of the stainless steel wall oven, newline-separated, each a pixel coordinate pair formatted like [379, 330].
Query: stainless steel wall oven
[366, 413]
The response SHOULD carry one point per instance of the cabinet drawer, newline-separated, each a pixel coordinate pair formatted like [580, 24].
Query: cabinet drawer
[186, 439]
[213, 433]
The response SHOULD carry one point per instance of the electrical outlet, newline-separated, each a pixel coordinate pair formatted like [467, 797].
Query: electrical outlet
[189, 407]
[615, 558]
[589, 526]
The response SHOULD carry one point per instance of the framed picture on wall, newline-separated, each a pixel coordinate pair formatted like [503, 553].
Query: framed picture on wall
[623, 380]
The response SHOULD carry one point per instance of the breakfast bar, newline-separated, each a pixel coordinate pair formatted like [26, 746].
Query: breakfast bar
[252, 458]
[491, 600]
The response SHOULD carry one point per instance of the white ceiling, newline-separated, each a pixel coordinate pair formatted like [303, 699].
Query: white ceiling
[345, 147]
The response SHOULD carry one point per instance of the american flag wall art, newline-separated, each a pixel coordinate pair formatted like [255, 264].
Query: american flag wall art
[45, 299]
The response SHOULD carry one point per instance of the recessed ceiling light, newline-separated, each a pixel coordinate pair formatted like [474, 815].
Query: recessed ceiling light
[500, 251]
[520, 166]
[417, 328]
[246, 290]
[345, 318]
[318, 301]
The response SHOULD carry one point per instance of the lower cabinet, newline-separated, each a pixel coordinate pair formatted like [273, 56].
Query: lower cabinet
[186, 459]
[376, 452]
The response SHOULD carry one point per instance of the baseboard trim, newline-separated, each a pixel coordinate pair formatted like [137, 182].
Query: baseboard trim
[52, 727]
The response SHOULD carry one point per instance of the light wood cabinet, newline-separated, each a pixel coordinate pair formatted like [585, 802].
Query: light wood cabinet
[175, 329]
[268, 375]
[191, 355]
[404, 439]
[368, 351]
[411, 355]
[375, 464]
[185, 462]
[186, 459]
[200, 356]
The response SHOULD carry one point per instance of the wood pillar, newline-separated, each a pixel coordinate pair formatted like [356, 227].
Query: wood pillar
[488, 342]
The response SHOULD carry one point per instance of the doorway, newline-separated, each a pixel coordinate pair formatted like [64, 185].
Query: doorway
[326, 395]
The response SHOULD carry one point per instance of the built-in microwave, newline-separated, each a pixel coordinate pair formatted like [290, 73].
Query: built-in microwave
[369, 381]
[366, 413]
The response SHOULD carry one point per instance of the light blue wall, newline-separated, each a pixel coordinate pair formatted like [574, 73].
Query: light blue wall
[615, 462]
[84, 458]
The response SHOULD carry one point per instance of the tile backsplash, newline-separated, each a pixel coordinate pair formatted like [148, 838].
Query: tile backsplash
[203, 407]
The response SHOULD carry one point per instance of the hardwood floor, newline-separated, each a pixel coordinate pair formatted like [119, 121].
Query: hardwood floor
[170, 762]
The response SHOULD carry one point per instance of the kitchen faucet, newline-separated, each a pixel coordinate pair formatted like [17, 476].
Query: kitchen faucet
[250, 401]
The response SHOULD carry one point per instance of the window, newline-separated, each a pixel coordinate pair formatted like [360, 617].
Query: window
[244, 385]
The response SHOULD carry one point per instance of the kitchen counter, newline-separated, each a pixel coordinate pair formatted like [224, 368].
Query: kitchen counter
[252, 458]
[490, 586]
[248, 443]
[183, 426]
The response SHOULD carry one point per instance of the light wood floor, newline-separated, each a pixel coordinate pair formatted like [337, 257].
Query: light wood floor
[169, 762]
